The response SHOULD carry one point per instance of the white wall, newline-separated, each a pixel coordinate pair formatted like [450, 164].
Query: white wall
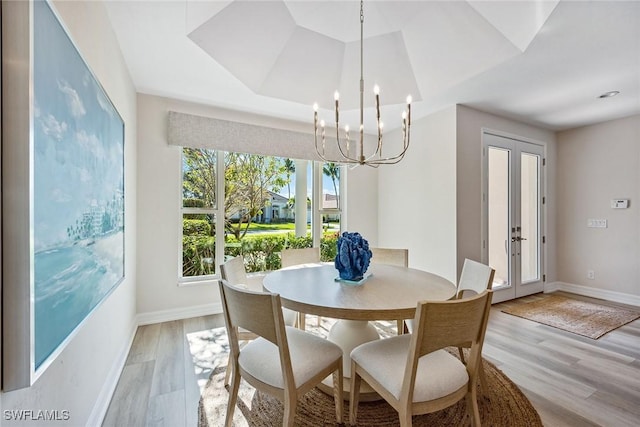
[469, 125]
[596, 164]
[431, 202]
[417, 197]
[159, 196]
[362, 203]
[80, 380]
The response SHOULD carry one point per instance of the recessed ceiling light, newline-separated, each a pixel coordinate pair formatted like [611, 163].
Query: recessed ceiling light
[609, 94]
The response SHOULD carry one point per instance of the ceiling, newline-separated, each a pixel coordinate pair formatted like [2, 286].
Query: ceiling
[540, 62]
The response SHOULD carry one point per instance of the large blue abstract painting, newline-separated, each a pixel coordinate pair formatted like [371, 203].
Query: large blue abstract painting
[78, 188]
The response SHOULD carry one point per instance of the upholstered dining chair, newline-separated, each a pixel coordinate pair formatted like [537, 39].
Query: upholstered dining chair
[474, 279]
[283, 361]
[391, 256]
[234, 272]
[297, 256]
[413, 372]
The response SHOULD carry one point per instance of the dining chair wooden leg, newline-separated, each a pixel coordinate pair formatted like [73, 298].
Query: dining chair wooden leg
[233, 398]
[289, 411]
[337, 393]
[302, 323]
[354, 394]
[400, 326]
[227, 375]
[405, 418]
[472, 406]
[461, 354]
[484, 388]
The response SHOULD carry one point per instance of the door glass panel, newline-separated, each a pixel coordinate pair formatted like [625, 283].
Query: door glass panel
[498, 205]
[529, 219]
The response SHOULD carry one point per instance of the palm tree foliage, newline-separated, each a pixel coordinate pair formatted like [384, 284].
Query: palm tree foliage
[332, 170]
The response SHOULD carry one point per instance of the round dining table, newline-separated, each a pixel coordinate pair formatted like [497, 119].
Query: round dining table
[386, 293]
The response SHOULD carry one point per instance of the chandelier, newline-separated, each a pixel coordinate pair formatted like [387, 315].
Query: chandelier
[358, 157]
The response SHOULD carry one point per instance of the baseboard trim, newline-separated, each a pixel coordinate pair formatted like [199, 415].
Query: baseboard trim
[108, 388]
[178, 313]
[593, 292]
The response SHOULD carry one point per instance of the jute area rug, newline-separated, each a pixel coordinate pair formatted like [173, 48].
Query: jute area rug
[504, 405]
[579, 317]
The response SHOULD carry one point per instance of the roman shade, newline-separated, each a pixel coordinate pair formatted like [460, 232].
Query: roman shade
[188, 130]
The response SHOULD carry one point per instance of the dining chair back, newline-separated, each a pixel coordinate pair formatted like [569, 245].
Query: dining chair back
[282, 361]
[389, 256]
[414, 372]
[233, 271]
[392, 256]
[297, 256]
[475, 277]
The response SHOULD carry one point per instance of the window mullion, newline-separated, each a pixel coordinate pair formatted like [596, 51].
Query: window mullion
[220, 208]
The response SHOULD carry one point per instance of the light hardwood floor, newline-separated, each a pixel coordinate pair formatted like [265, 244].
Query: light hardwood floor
[571, 380]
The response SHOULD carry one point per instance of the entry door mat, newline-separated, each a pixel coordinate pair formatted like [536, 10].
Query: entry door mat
[579, 317]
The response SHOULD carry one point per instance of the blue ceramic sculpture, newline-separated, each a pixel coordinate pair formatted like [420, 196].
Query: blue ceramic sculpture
[353, 257]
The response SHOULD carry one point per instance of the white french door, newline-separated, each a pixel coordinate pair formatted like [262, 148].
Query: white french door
[513, 204]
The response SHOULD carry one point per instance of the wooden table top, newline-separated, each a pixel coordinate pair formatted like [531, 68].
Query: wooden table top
[390, 293]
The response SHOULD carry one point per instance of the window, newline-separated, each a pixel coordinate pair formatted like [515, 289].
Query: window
[237, 203]
[329, 204]
[199, 211]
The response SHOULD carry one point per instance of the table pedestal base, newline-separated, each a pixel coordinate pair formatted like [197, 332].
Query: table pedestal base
[348, 334]
[367, 394]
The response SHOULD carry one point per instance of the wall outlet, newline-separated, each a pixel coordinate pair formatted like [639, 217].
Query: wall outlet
[597, 223]
[591, 274]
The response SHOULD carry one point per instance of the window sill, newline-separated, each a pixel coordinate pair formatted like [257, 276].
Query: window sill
[185, 282]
